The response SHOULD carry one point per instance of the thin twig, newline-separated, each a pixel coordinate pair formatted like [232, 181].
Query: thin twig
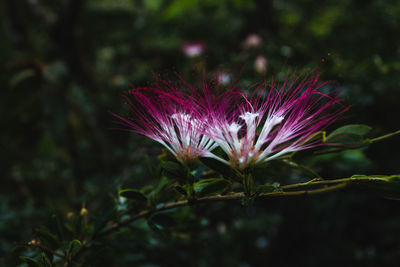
[383, 136]
[216, 198]
[325, 186]
[38, 245]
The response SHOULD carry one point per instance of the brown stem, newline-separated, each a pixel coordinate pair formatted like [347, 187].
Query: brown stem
[38, 245]
[324, 186]
[216, 198]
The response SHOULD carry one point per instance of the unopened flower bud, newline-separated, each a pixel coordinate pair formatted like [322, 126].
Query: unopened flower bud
[84, 211]
[70, 215]
[34, 242]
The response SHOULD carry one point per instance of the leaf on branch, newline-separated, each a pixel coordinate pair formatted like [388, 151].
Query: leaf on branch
[74, 246]
[174, 170]
[163, 220]
[133, 194]
[320, 135]
[160, 222]
[151, 167]
[199, 171]
[385, 186]
[211, 186]
[350, 135]
[221, 168]
[59, 226]
[146, 189]
[166, 155]
[358, 129]
[164, 191]
[46, 261]
[47, 238]
[346, 137]
[31, 262]
[301, 167]
[267, 188]
[181, 189]
[103, 218]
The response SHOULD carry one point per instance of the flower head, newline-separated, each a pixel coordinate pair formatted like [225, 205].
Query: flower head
[170, 117]
[273, 121]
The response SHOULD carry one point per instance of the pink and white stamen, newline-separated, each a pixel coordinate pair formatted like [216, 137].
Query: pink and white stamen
[171, 118]
[273, 121]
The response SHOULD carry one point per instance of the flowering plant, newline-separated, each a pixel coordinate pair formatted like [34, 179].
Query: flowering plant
[232, 134]
[250, 128]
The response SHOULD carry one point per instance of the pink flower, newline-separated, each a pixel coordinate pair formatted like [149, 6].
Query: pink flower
[273, 121]
[260, 64]
[224, 78]
[252, 40]
[193, 49]
[170, 117]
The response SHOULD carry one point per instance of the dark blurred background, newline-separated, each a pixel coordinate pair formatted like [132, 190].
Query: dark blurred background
[66, 63]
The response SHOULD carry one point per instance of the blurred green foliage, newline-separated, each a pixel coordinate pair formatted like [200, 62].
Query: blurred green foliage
[65, 63]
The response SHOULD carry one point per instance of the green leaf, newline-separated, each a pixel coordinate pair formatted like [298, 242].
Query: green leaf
[174, 170]
[225, 170]
[346, 139]
[46, 261]
[21, 76]
[356, 176]
[164, 191]
[320, 135]
[59, 226]
[162, 219]
[47, 238]
[74, 246]
[385, 186]
[211, 186]
[156, 228]
[301, 167]
[181, 190]
[31, 262]
[357, 129]
[108, 213]
[146, 189]
[267, 188]
[133, 194]
[151, 167]
[199, 171]
[351, 134]
[393, 178]
[166, 155]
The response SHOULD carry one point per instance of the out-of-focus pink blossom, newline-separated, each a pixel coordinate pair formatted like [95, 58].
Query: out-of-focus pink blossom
[260, 64]
[224, 78]
[252, 41]
[193, 49]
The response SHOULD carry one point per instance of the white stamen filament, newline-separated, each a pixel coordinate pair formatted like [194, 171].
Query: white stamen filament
[269, 124]
[185, 136]
[233, 131]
